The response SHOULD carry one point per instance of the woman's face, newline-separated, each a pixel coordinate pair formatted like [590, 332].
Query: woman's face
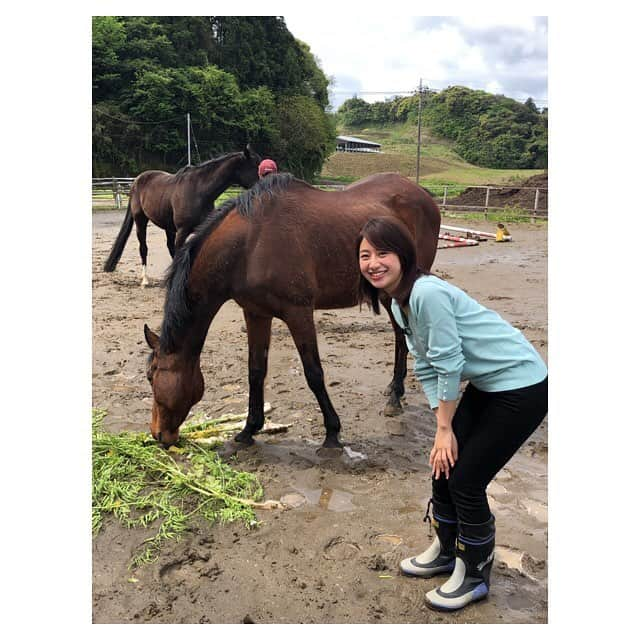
[381, 268]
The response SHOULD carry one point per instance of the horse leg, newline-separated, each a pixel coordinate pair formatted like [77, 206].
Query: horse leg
[141, 231]
[171, 241]
[300, 323]
[259, 337]
[395, 390]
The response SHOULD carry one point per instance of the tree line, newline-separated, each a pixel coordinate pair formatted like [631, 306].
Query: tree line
[487, 130]
[241, 78]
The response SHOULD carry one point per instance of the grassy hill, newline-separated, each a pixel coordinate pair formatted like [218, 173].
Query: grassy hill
[439, 164]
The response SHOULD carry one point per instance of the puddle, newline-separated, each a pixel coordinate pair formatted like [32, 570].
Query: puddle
[390, 538]
[293, 500]
[328, 499]
[411, 508]
[496, 490]
[535, 509]
[514, 560]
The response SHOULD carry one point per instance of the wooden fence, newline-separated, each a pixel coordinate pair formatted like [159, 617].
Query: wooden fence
[533, 212]
[106, 190]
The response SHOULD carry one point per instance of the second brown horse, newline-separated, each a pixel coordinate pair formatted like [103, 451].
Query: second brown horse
[281, 249]
[179, 202]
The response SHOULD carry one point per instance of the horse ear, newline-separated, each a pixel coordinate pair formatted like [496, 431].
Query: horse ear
[247, 151]
[152, 339]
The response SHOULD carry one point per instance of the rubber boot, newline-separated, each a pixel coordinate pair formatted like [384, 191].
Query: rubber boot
[470, 578]
[440, 556]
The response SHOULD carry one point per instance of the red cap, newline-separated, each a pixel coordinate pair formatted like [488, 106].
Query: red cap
[267, 166]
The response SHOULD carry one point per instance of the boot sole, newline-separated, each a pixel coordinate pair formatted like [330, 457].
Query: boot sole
[438, 607]
[426, 576]
[435, 607]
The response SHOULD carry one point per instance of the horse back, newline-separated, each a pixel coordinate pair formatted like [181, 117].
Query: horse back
[303, 242]
[151, 194]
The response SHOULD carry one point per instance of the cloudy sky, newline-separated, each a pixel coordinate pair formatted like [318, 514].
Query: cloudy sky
[387, 55]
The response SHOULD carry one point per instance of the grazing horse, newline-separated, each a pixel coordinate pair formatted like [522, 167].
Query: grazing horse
[281, 249]
[178, 202]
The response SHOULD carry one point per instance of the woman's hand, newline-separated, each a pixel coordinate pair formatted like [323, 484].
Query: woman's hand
[444, 453]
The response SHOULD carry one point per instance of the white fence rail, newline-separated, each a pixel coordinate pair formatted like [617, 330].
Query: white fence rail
[534, 211]
[444, 202]
[105, 189]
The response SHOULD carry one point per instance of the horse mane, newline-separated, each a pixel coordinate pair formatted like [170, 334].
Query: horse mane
[206, 164]
[178, 306]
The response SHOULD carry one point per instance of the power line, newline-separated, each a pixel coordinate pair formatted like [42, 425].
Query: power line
[411, 92]
[129, 121]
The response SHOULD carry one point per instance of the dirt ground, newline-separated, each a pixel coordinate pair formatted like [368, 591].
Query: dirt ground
[333, 557]
[512, 196]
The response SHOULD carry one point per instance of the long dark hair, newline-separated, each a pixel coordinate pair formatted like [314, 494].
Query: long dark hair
[388, 234]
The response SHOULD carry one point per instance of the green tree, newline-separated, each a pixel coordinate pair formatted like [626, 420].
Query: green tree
[354, 111]
[492, 131]
[109, 36]
[306, 136]
[231, 74]
[260, 51]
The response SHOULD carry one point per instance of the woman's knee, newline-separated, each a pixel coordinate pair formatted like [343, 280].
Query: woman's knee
[470, 499]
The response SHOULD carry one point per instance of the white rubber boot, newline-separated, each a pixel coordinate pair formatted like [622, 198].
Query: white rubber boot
[470, 578]
[440, 556]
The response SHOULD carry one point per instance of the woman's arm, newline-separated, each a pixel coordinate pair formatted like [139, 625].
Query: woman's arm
[444, 453]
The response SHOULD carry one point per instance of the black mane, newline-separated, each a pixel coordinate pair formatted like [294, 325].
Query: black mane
[206, 164]
[177, 306]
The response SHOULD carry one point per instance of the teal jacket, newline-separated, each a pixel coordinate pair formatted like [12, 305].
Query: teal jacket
[453, 338]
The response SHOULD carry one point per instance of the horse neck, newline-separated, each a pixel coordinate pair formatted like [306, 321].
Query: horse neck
[190, 342]
[208, 288]
[215, 178]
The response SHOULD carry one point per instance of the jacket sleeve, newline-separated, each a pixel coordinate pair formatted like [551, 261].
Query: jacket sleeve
[443, 345]
[428, 378]
[424, 373]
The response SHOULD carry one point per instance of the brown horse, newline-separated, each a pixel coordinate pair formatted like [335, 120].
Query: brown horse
[179, 202]
[280, 250]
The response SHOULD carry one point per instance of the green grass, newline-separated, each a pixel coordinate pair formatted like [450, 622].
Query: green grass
[143, 485]
[510, 215]
[439, 163]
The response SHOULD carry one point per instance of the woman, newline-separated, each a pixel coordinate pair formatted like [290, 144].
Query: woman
[452, 339]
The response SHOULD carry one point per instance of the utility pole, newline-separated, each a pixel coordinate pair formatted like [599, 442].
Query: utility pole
[419, 132]
[188, 139]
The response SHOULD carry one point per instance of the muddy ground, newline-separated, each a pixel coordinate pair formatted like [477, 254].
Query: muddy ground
[333, 557]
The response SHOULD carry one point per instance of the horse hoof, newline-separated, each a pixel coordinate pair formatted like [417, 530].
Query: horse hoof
[392, 409]
[329, 452]
[244, 438]
[332, 443]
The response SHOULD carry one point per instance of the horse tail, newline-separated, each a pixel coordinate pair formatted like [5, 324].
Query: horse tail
[121, 240]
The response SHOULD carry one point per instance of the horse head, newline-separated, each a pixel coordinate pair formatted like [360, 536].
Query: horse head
[177, 384]
[246, 171]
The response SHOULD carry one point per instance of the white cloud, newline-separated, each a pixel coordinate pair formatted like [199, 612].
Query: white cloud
[376, 53]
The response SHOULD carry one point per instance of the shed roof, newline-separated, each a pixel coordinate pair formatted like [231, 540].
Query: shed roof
[352, 139]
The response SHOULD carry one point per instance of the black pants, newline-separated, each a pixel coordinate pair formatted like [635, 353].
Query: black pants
[490, 428]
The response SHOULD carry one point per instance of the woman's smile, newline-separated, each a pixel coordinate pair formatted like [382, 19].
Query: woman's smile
[380, 267]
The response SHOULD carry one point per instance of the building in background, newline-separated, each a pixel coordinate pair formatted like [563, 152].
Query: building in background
[348, 143]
